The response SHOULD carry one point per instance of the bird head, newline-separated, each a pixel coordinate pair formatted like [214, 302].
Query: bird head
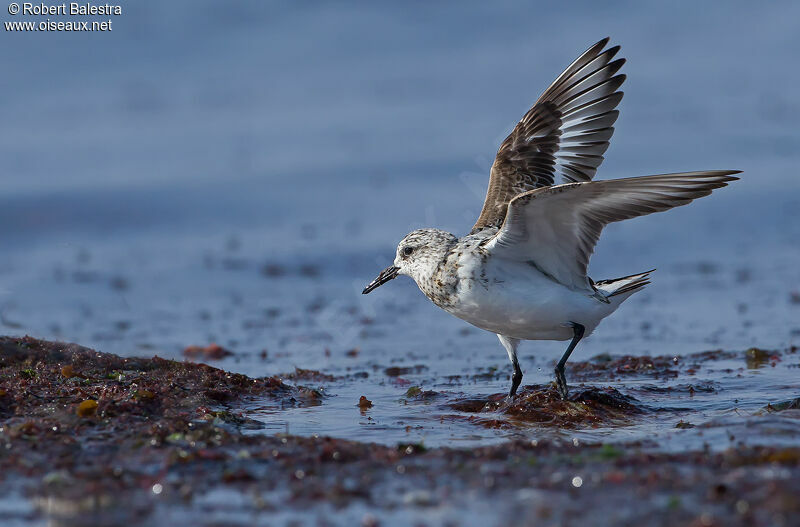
[418, 255]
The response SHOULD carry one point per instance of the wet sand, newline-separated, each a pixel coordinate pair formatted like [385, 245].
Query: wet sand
[93, 438]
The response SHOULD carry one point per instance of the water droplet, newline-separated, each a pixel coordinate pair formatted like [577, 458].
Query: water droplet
[299, 474]
[157, 488]
[577, 481]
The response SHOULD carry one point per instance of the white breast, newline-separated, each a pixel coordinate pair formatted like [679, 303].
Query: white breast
[516, 300]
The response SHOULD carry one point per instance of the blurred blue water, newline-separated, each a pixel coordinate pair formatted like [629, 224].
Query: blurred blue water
[157, 168]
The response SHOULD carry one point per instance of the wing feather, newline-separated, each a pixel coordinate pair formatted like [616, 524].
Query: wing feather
[556, 228]
[563, 137]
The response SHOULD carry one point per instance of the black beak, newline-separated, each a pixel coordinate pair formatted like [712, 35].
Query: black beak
[387, 274]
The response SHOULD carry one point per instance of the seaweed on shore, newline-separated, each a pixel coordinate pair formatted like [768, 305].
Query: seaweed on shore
[92, 438]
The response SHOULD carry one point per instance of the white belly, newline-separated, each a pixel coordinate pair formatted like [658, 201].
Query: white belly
[516, 300]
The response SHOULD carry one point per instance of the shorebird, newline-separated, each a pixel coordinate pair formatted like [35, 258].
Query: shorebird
[521, 272]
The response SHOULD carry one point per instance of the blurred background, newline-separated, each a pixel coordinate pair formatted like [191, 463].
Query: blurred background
[237, 172]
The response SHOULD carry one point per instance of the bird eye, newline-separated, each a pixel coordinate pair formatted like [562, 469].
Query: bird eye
[407, 251]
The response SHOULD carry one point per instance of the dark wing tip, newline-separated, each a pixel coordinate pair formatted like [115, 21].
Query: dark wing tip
[595, 48]
[726, 175]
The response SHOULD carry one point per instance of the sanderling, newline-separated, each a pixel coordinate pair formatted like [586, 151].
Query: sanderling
[521, 272]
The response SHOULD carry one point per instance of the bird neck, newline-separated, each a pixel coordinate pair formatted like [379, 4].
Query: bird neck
[438, 279]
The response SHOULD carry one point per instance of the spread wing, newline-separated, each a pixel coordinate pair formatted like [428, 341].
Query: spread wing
[563, 136]
[556, 228]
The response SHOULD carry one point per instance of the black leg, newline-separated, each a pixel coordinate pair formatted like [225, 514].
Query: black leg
[516, 378]
[561, 381]
[510, 344]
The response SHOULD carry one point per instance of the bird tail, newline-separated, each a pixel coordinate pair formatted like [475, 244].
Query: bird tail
[626, 284]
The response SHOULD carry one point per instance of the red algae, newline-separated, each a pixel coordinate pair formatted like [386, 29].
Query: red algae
[364, 403]
[300, 374]
[211, 352]
[163, 435]
[543, 405]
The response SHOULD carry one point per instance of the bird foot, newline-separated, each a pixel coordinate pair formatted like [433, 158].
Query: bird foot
[561, 384]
